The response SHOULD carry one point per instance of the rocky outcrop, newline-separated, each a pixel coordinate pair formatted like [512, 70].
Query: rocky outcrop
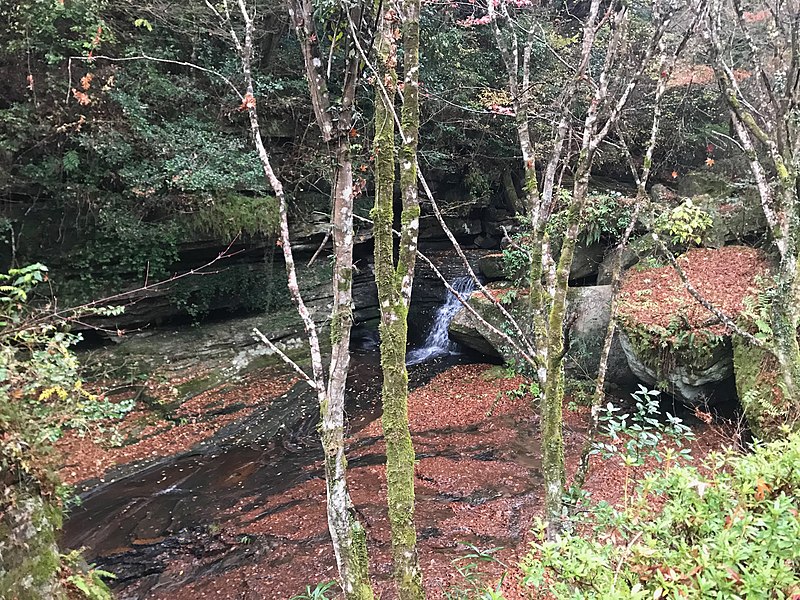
[589, 312]
[670, 340]
[589, 309]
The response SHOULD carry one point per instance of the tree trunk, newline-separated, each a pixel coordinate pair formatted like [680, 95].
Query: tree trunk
[395, 283]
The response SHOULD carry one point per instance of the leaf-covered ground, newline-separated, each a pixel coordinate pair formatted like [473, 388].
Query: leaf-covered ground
[478, 482]
[724, 277]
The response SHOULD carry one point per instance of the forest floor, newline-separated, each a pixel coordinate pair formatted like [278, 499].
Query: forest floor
[478, 482]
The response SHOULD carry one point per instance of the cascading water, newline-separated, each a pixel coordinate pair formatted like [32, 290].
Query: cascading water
[438, 341]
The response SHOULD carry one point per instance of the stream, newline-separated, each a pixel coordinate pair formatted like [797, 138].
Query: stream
[179, 508]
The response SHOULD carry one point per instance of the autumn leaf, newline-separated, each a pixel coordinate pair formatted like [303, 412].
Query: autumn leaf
[86, 81]
[248, 102]
[709, 162]
[674, 174]
[761, 489]
[82, 98]
[30, 82]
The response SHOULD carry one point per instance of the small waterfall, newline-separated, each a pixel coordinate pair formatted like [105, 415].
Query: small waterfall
[438, 341]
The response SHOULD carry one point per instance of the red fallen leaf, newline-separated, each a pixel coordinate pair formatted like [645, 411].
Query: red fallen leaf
[82, 98]
[248, 102]
[733, 575]
[761, 489]
[709, 162]
[86, 81]
[30, 82]
[674, 174]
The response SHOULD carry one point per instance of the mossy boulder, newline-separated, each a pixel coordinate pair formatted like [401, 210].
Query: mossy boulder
[759, 389]
[734, 207]
[590, 310]
[674, 343]
[29, 557]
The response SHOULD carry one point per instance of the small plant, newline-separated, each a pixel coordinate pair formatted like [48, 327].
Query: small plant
[89, 582]
[728, 530]
[320, 592]
[638, 435]
[469, 568]
[685, 224]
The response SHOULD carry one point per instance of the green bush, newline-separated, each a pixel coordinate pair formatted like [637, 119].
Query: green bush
[729, 529]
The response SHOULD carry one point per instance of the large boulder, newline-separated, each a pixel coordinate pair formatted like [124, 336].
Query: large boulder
[586, 261]
[758, 383]
[674, 343]
[491, 266]
[589, 311]
[467, 329]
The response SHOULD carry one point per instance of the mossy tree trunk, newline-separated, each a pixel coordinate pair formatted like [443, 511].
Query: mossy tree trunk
[549, 272]
[395, 281]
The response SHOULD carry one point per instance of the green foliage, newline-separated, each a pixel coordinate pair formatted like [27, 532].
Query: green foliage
[88, 581]
[320, 592]
[41, 395]
[470, 568]
[685, 224]
[55, 28]
[233, 215]
[640, 433]
[727, 530]
[606, 217]
[120, 248]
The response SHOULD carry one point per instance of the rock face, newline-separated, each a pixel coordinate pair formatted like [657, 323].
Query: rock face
[697, 383]
[468, 331]
[586, 261]
[590, 309]
[758, 383]
[491, 267]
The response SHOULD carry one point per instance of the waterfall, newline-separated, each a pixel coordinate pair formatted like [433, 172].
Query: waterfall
[438, 341]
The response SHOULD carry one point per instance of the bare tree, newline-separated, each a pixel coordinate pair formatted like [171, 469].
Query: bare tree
[347, 533]
[755, 54]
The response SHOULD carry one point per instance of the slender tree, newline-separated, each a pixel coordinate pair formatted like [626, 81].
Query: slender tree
[395, 278]
[347, 533]
[755, 53]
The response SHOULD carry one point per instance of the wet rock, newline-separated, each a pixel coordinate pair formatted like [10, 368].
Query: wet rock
[487, 242]
[467, 330]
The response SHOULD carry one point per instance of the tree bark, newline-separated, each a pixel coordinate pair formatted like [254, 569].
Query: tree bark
[347, 533]
[395, 282]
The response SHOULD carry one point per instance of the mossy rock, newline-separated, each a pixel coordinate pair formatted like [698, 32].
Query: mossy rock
[29, 569]
[760, 394]
[693, 373]
[673, 342]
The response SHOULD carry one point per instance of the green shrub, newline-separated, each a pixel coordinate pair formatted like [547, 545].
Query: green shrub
[684, 224]
[729, 529]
